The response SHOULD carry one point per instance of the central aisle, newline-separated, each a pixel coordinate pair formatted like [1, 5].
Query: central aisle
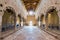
[30, 33]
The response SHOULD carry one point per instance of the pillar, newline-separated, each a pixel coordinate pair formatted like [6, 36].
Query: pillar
[0, 23]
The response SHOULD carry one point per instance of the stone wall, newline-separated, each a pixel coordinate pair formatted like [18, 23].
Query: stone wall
[17, 6]
[45, 5]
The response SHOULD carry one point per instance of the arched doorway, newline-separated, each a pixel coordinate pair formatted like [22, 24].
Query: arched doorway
[18, 23]
[8, 19]
[52, 19]
[42, 19]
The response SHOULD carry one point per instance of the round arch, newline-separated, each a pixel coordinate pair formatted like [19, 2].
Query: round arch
[18, 23]
[52, 18]
[8, 19]
[42, 19]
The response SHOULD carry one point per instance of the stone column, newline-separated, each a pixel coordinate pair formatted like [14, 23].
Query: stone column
[15, 19]
[0, 23]
[59, 22]
[46, 23]
[59, 18]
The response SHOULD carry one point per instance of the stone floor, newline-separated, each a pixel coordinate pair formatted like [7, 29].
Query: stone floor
[30, 33]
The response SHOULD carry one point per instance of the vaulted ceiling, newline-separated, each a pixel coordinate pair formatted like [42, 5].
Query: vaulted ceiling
[31, 4]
